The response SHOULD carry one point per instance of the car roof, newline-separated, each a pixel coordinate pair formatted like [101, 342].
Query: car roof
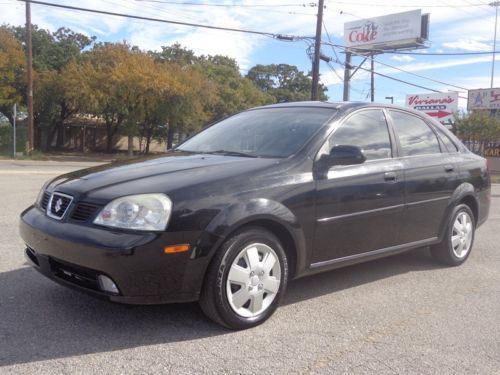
[333, 105]
[340, 106]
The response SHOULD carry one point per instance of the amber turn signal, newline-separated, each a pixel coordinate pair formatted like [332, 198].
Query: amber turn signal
[176, 249]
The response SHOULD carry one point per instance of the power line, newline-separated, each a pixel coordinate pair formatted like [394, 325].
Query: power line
[268, 34]
[334, 52]
[411, 6]
[437, 53]
[224, 5]
[249, 8]
[399, 80]
[411, 73]
[402, 70]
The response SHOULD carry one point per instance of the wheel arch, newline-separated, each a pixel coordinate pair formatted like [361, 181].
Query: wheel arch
[463, 194]
[264, 213]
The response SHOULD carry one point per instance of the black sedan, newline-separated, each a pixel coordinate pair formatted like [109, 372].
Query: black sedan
[268, 195]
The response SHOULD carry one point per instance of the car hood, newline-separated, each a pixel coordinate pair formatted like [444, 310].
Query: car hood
[161, 174]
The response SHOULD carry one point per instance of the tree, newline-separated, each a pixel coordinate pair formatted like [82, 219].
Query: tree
[175, 54]
[284, 82]
[58, 96]
[127, 89]
[12, 68]
[53, 50]
[233, 92]
[478, 129]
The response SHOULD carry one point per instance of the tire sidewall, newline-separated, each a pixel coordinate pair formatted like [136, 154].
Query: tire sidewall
[459, 209]
[231, 249]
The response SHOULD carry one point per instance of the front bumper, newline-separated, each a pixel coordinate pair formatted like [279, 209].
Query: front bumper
[75, 255]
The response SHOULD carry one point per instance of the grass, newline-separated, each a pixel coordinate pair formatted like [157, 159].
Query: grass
[495, 179]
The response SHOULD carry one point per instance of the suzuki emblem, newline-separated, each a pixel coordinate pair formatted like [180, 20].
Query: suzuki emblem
[58, 205]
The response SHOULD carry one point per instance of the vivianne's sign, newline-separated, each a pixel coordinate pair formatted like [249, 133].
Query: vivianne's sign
[390, 31]
[441, 106]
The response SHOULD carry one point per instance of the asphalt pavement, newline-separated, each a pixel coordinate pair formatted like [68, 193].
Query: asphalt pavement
[399, 315]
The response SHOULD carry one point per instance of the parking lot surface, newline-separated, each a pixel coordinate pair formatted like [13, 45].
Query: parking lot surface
[403, 314]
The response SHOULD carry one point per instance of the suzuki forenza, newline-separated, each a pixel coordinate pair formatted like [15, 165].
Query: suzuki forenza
[271, 194]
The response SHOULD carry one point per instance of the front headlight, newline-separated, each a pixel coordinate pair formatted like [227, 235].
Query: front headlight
[139, 212]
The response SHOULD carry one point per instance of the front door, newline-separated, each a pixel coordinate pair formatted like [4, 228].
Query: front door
[359, 207]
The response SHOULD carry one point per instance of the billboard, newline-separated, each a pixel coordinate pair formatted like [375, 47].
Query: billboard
[399, 30]
[484, 99]
[440, 106]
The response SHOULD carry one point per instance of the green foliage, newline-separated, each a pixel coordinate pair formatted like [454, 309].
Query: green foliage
[478, 128]
[285, 83]
[233, 92]
[152, 95]
[52, 51]
[12, 65]
[6, 139]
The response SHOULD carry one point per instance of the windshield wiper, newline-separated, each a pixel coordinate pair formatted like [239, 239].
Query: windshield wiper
[231, 153]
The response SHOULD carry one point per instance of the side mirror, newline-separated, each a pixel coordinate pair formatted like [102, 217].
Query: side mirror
[346, 155]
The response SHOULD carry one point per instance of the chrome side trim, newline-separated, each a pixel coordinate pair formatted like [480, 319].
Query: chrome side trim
[428, 200]
[326, 219]
[384, 251]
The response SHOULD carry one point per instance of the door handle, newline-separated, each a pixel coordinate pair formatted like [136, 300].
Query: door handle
[449, 168]
[390, 177]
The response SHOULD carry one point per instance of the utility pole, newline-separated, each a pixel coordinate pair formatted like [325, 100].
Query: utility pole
[347, 77]
[495, 4]
[317, 49]
[14, 132]
[372, 79]
[31, 130]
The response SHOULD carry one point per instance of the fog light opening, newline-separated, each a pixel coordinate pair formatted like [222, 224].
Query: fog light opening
[107, 285]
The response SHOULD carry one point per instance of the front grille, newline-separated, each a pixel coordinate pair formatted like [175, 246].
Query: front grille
[45, 200]
[84, 211]
[58, 205]
[80, 276]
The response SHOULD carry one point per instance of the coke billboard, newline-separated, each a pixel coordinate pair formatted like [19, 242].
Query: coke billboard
[392, 31]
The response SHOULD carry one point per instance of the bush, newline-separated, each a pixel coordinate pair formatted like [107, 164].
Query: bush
[6, 138]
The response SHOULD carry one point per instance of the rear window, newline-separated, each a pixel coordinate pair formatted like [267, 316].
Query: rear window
[415, 136]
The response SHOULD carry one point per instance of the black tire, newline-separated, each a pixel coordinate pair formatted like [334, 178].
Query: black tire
[214, 299]
[444, 252]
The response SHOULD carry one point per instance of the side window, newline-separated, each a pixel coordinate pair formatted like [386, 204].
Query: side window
[415, 136]
[367, 130]
[448, 143]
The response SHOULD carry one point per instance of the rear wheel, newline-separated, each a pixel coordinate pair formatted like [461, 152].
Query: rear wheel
[246, 280]
[459, 237]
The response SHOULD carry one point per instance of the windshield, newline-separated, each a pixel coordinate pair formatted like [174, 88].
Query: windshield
[272, 132]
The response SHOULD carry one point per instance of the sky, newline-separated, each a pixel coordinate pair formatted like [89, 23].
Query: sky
[455, 26]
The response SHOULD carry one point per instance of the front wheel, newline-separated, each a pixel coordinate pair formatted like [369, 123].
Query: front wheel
[246, 280]
[459, 237]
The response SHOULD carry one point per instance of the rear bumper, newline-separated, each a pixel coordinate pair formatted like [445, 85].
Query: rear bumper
[75, 255]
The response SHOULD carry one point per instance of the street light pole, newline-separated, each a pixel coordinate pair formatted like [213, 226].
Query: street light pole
[390, 97]
[494, 4]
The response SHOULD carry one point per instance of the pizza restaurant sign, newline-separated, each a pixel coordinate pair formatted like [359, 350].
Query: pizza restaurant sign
[440, 106]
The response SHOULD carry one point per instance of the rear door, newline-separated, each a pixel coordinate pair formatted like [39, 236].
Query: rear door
[359, 207]
[430, 176]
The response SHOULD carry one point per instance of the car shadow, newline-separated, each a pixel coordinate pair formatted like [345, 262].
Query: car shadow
[363, 273]
[40, 320]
